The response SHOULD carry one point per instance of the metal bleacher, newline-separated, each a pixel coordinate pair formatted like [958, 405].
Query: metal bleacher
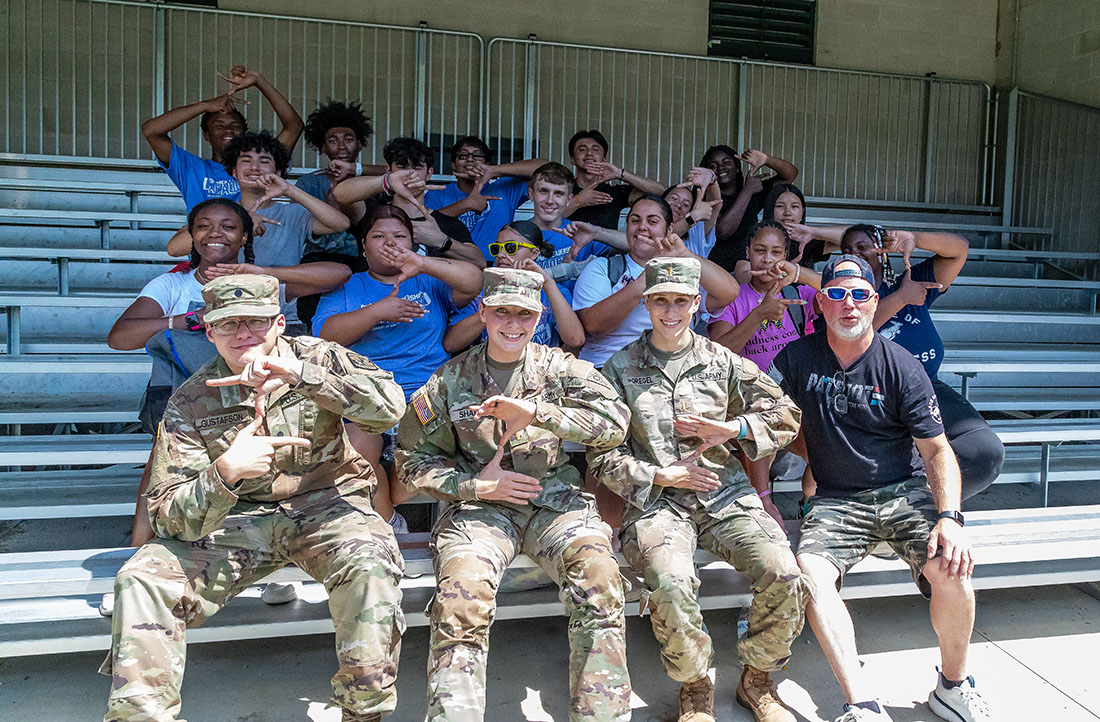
[77, 242]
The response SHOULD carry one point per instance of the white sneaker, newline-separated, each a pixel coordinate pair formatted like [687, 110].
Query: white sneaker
[958, 704]
[859, 714]
[275, 593]
[399, 523]
[107, 604]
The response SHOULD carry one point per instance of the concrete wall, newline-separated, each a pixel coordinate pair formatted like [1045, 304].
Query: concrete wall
[635, 24]
[952, 38]
[1058, 49]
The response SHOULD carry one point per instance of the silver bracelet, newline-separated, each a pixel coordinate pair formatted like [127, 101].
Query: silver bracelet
[797, 272]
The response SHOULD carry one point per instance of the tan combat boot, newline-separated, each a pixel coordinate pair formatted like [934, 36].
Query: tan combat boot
[697, 701]
[756, 693]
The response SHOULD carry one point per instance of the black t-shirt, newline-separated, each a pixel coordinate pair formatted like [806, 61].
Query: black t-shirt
[859, 422]
[604, 214]
[728, 250]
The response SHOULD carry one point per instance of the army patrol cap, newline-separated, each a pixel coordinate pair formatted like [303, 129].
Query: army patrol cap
[672, 275]
[513, 287]
[242, 295]
[847, 266]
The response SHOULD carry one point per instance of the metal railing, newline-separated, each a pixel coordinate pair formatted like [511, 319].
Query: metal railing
[871, 136]
[83, 74]
[1052, 171]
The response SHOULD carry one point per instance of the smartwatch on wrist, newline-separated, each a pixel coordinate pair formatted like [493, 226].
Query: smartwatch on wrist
[953, 515]
[690, 221]
[191, 319]
[446, 245]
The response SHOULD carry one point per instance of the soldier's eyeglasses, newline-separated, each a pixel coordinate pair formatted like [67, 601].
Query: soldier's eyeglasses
[859, 295]
[232, 326]
[509, 247]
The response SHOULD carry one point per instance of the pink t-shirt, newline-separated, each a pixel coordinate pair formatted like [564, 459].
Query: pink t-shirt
[771, 337]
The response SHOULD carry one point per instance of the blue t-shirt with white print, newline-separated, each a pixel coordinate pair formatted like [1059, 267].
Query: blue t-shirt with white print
[911, 327]
[484, 226]
[199, 179]
[410, 351]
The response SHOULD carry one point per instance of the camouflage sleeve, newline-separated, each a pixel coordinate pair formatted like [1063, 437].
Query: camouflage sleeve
[187, 497]
[427, 450]
[350, 385]
[618, 468]
[771, 415]
[589, 412]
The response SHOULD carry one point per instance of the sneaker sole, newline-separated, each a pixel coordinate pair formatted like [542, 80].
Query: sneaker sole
[941, 710]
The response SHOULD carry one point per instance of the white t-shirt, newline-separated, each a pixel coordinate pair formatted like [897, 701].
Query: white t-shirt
[698, 241]
[593, 286]
[175, 293]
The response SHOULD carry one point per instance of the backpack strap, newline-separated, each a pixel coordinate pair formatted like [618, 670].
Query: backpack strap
[616, 267]
[790, 291]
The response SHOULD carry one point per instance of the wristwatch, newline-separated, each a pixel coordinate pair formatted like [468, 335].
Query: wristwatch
[953, 515]
[690, 221]
[446, 245]
[192, 320]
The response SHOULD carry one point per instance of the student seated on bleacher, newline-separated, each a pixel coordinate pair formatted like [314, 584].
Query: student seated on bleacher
[253, 471]
[437, 233]
[520, 244]
[171, 304]
[602, 189]
[885, 473]
[485, 434]
[338, 131]
[283, 232]
[694, 405]
[484, 197]
[904, 317]
[786, 205]
[395, 313]
[770, 311]
[199, 179]
[742, 196]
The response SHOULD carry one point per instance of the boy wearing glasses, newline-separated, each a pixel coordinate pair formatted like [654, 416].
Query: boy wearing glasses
[253, 471]
[884, 472]
[484, 197]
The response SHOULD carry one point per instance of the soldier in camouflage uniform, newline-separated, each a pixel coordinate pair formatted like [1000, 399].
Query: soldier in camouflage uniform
[692, 403]
[485, 433]
[231, 502]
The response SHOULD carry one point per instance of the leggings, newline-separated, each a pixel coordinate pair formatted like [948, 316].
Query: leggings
[979, 451]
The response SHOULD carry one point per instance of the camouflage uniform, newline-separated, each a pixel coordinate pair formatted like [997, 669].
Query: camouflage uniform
[662, 526]
[444, 448]
[312, 509]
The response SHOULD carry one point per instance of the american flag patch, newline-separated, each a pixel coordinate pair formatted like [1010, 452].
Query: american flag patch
[423, 408]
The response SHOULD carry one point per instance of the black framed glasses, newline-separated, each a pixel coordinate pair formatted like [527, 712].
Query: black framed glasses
[232, 326]
[471, 156]
[509, 247]
[837, 293]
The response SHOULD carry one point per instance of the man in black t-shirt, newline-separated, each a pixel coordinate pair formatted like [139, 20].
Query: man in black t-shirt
[884, 472]
[602, 189]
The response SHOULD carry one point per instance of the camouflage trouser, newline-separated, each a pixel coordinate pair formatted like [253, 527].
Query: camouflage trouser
[844, 531]
[660, 546]
[472, 545]
[169, 585]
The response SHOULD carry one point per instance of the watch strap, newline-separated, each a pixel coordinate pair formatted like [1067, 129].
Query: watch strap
[953, 515]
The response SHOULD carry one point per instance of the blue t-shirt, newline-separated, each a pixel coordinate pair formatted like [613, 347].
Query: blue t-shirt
[199, 179]
[546, 331]
[410, 351]
[562, 244]
[484, 226]
[912, 327]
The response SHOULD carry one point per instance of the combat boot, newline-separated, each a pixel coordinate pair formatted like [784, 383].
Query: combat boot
[756, 693]
[697, 701]
[350, 716]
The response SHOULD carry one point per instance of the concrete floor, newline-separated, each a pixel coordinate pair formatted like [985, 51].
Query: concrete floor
[1033, 654]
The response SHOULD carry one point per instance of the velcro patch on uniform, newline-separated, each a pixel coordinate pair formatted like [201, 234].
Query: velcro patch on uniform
[422, 407]
[640, 380]
[462, 412]
[292, 398]
[210, 422]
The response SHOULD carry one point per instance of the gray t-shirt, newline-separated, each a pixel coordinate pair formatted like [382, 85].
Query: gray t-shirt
[284, 244]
